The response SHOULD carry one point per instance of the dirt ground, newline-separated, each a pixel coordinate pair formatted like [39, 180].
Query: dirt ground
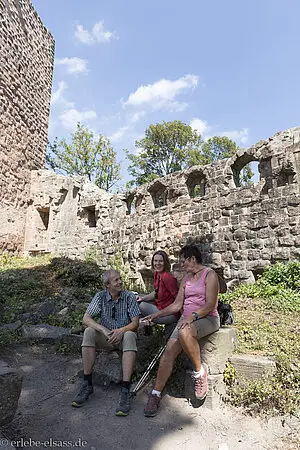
[45, 413]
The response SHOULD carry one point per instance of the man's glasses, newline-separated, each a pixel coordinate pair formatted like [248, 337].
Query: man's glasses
[113, 313]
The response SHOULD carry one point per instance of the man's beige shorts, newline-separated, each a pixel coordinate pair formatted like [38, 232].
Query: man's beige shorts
[97, 339]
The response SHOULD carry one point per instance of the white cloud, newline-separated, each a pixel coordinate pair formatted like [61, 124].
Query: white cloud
[119, 134]
[239, 136]
[98, 34]
[162, 94]
[136, 116]
[73, 65]
[58, 98]
[201, 126]
[71, 117]
[58, 94]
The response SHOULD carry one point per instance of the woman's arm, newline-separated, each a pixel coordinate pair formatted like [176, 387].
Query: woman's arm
[147, 298]
[171, 309]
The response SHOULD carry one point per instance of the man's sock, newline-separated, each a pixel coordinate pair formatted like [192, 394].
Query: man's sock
[126, 384]
[89, 379]
[155, 392]
[200, 373]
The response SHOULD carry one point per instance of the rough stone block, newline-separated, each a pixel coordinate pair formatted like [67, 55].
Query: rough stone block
[10, 389]
[253, 367]
[217, 348]
[107, 368]
[215, 391]
[45, 333]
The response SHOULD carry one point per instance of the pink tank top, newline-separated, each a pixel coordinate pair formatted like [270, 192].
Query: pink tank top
[195, 296]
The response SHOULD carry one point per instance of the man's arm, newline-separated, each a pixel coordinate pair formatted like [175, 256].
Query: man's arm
[88, 321]
[115, 336]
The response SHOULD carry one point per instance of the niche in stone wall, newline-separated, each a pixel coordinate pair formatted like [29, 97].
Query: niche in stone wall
[287, 175]
[89, 214]
[130, 205]
[147, 277]
[159, 194]
[196, 184]
[242, 168]
[44, 216]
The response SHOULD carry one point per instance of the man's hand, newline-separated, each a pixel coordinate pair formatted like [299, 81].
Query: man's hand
[115, 336]
[186, 322]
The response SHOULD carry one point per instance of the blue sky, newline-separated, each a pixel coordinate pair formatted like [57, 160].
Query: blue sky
[225, 67]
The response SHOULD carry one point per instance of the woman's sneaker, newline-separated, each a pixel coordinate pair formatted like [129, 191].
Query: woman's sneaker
[201, 384]
[85, 391]
[152, 406]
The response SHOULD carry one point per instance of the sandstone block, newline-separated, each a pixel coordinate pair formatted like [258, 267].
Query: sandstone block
[45, 333]
[107, 368]
[253, 367]
[217, 348]
[10, 389]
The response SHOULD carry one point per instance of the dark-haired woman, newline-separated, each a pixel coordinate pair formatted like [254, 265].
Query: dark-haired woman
[165, 290]
[197, 299]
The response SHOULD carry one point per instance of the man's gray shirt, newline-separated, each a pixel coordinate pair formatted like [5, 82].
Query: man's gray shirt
[113, 314]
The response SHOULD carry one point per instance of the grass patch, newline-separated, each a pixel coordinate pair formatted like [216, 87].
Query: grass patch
[267, 322]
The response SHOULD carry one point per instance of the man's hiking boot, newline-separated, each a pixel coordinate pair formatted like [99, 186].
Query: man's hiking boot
[123, 407]
[151, 408]
[85, 391]
[201, 384]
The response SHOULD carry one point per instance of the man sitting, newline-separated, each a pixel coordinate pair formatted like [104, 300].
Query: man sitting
[111, 319]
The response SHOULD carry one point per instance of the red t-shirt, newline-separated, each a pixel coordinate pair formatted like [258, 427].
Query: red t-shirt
[166, 287]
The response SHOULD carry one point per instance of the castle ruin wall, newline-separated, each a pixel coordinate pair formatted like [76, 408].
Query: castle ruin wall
[26, 61]
[240, 229]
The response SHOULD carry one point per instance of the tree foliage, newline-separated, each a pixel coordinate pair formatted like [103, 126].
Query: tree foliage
[167, 147]
[171, 146]
[85, 156]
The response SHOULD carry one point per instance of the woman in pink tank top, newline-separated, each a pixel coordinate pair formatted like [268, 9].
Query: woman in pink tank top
[197, 299]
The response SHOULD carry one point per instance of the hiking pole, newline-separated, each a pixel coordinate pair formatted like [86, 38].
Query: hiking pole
[141, 382]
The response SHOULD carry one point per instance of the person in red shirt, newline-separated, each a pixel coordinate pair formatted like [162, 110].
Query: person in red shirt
[165, 289]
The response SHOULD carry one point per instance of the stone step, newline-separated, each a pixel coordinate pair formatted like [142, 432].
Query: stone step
[253, 367]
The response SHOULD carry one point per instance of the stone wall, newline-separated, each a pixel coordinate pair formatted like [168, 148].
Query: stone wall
[240, 229]
[26, 61]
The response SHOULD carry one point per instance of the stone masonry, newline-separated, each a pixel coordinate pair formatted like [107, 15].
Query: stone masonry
[26, 61]
[240, 229]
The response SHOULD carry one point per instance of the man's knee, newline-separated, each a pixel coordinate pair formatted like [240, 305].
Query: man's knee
[129, 341]
[88, 337]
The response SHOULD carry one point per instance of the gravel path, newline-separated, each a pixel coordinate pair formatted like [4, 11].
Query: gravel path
[44, 413]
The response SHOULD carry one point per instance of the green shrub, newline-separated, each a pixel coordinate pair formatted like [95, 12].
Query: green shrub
[286, 275]
[74, 272]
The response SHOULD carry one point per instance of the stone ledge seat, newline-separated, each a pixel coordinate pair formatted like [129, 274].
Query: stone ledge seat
[216, 349]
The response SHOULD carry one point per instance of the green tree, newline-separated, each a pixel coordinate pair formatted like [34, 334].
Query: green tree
[220, 147]
[85, 156]
[171, 146]
[167, 147]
